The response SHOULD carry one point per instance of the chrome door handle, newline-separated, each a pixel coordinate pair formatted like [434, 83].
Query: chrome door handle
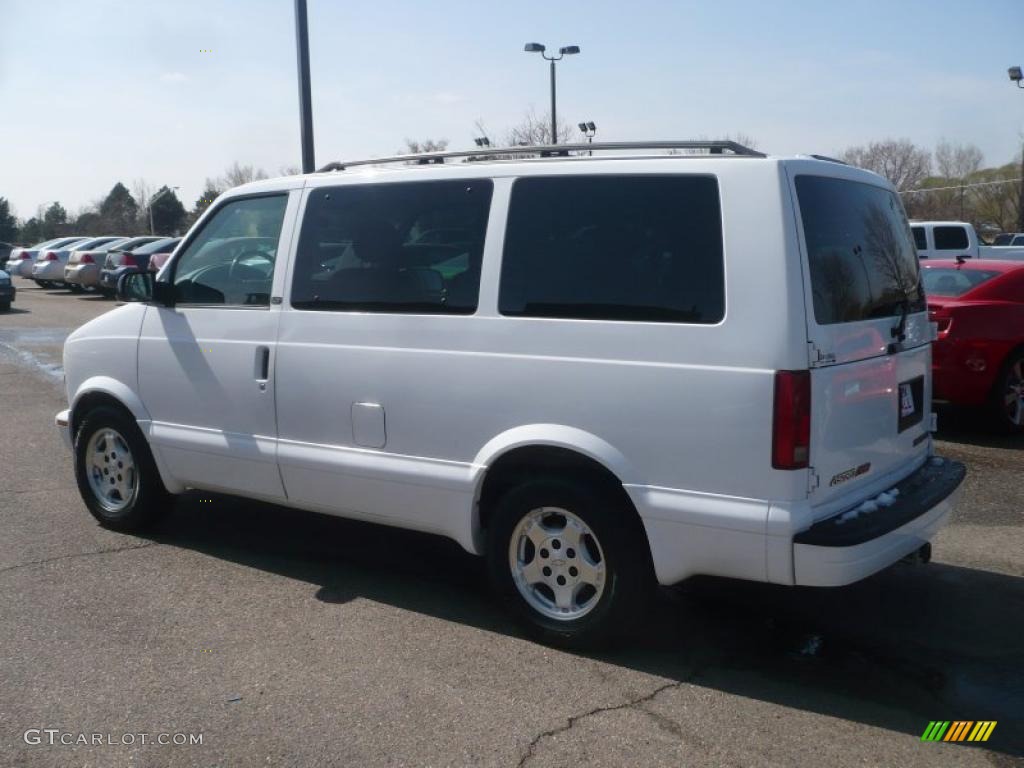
[262, 372]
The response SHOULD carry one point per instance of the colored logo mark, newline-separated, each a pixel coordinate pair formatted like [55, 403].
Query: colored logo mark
[958, 730]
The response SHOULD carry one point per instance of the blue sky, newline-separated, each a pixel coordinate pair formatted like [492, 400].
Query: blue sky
[96, 92]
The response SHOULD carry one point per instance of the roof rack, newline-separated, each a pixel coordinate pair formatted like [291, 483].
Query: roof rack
[725, 148]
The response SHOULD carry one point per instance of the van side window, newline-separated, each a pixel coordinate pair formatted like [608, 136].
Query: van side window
[640, 248]
[411, 247]
[950, 238]
[920, 238]
[231, 260]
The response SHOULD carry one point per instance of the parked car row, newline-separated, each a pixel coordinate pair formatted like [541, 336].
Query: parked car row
[88, 263]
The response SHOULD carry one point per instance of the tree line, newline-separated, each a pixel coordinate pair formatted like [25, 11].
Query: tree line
[951, 182]
[125, 212]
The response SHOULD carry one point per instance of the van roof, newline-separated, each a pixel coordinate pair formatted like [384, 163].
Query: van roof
[513, 161]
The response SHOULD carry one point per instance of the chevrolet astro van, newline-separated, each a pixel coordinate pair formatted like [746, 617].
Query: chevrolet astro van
[600, 373]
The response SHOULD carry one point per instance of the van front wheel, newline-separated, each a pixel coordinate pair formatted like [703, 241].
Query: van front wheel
[570, 560]
[116, 474]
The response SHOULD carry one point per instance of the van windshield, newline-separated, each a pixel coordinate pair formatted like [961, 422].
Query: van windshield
[860, 251]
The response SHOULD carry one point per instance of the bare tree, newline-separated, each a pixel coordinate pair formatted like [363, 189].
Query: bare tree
[957, 161]
[535, 130]
[998, 203]
[427, 145]
[899, 160]
[241, 174]
[289, 170]
[744, 139]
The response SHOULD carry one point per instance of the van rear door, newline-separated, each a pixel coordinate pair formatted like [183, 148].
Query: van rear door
[868, 334]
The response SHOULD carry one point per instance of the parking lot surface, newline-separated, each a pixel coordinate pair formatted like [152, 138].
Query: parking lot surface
[287, 638]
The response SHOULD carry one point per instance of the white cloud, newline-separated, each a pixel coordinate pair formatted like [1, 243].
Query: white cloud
[173, 77]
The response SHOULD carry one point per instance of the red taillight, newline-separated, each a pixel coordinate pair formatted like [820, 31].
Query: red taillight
[86, 258]
[791, 426]
[127, 260]
[49, 256]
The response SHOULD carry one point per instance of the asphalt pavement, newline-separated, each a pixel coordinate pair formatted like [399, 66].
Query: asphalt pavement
[285, 638]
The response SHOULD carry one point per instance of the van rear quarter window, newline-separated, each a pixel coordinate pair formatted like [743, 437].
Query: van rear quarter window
[860, 250]
[640, 248]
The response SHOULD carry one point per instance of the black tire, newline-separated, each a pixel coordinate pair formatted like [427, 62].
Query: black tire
[628, 578]
[150, 499]
[74, 288]
[1011, 375]
[106, 293]
[40, 283]
[5, 306]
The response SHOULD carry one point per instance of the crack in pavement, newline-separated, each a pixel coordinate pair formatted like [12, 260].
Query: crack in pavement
[73, 555]
[573, 719]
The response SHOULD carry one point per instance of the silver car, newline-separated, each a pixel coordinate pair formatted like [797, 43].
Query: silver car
[48, 268]
[21, 259]
[83, 268]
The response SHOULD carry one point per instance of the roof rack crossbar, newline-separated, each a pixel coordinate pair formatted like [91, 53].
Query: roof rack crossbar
[724, 148]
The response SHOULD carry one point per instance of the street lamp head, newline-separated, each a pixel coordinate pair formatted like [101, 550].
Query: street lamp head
[591, 126]
[583, 127]
[1015, 74]
[534, 48]
[569, 49]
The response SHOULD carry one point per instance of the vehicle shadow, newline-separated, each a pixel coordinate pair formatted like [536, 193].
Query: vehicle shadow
[971, 426]
[15, 311]
[912, 644]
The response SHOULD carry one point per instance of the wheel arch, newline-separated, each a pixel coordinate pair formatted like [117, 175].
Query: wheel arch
[105, 391]
[518, 453]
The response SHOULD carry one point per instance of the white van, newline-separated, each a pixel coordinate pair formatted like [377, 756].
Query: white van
[598, 372]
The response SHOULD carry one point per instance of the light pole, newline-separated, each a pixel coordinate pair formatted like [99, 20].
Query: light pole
[565, 50]
[305, 99]
[1017, 77]
[153, 199]
[589, 130]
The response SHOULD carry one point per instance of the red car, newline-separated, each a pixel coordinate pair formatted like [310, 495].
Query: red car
[978, 358]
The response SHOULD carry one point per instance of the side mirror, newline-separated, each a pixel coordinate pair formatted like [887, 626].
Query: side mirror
[135, 285]
[142, 286]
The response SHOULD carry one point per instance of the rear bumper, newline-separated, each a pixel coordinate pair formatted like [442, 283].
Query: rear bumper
[82, 274]
[838, 551]
[50, 270]
[21, 267]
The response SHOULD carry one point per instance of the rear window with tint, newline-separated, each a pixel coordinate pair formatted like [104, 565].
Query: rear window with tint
[950, 238]
[640, 248]
[920, 239]
[942, 281]
[860, 250]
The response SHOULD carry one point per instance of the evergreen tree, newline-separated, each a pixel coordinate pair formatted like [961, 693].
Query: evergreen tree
[168, 212]
[119, 210]
[8, 224]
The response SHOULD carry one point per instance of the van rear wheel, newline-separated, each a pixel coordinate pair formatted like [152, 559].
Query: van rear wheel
[570, 561]
[115, 471]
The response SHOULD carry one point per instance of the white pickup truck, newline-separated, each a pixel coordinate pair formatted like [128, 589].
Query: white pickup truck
[949, 239]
